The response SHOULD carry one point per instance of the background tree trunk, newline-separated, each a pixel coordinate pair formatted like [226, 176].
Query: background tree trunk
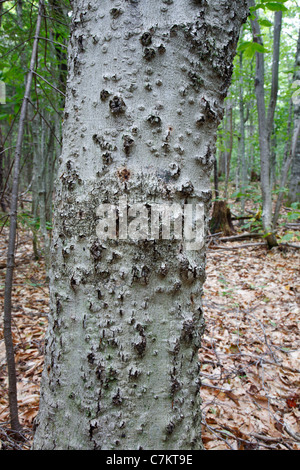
[292, 149]
[2, 158]
[13, 403]
[266, 120]
[294, 187]
[144, 99]
[221, 220]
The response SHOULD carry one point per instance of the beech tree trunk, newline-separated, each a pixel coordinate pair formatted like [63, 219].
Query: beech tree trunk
[144, 99]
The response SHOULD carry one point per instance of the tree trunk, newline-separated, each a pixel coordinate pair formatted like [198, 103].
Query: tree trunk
[294, 187]
[1, 12]
[2, 157]
[266, 120]
[216, 179]
[144, 98]
[222, 154]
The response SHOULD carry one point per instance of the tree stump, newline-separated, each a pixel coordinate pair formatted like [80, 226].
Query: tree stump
[221, 220]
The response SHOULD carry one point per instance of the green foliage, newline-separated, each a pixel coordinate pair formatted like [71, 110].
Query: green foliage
[251, 192]
[254, 225]
[244, 74]
[294, 214]
[45, 109]
[250, 48]
[17, 35]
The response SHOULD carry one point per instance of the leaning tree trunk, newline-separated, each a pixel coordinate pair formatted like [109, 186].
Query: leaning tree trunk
[144, 99]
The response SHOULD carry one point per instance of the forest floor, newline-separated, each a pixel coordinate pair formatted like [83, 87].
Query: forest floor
[250, 352]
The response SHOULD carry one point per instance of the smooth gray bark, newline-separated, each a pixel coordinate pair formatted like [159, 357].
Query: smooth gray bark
[229, 112]
[145, 96]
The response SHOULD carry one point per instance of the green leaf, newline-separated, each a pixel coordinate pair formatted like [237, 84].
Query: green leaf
[238, 194]
[264, 22]
[276, 6]
[293, 215]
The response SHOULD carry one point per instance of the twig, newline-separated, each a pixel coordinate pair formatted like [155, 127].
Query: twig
[50, 84]
[237, 247]
[293, 434]
[9, 346]
[12, 442]
[8, 148]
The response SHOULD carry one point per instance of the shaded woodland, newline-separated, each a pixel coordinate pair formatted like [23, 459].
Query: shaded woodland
[250, 352]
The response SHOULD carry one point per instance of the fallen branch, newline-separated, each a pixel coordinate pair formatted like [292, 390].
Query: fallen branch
[294, 435]
[295, 225]
[17, 263]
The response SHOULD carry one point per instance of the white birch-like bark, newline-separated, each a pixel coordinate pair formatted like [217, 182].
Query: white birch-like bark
[292, 147]
[7, 317]
[145, 95]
